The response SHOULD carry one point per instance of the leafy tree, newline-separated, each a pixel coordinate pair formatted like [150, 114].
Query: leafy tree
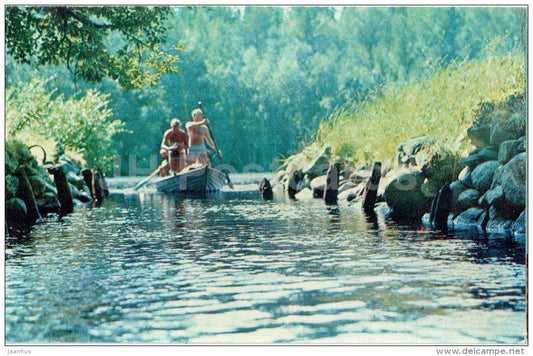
[78, 37]
[78, 124]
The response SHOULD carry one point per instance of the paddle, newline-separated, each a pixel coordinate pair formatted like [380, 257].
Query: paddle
[146, 180]
[152, 175]
[216, 147]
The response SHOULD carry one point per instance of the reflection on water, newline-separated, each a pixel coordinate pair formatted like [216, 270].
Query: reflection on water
[154, 268]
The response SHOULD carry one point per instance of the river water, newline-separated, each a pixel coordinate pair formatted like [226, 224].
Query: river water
[154, 268]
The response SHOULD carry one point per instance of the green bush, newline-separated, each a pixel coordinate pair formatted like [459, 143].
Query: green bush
[80, 124]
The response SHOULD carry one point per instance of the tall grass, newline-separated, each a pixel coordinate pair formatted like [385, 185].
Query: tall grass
[441, 105]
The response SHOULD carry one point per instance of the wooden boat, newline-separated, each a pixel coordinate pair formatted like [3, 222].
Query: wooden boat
[195, 179]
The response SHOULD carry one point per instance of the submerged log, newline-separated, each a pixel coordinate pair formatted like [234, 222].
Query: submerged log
[331, 190]
[63, 190]
[265, 188]
[370, 191]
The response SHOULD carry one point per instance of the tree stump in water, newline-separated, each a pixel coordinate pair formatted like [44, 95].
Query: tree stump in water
[331, 190]
[370, 192]
[63, 190]
[265, 188]
[25, 192]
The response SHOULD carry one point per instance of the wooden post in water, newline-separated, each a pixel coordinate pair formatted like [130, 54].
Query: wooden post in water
[331, 189]
[265, 188]
[291, 188]
[63, 190]
[25, 192]
[370, 193]
[443, 207]
[88, 178]
[98, 183]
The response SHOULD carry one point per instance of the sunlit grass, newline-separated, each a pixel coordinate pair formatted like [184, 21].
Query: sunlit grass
[441, 105]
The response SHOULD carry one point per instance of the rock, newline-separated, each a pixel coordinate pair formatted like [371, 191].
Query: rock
[408, 150]
[457, 188]
[521, 144]
[278, 191]
[481, 155]
[497, 178]
[16, 210]
[508, 149]
[482, 175]
[319, 165]
[48, 203]
[507, 126]
[514, 182]
[495, 198]
[12, 185]
[352, 193]
[346, 185]
[360, 176]
[404, 197]
[75, 179]
[497, 224]
[277, 178]
[304, 183]
[468, 219]
[519, 226]
[38, 184]
[305, 194]
[317, 186]
[11, 163]
[21, 153]
[465, 177]
[430, 188]
[467, 199]
[479, 135]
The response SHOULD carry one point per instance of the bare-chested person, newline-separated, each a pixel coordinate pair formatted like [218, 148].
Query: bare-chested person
[198, 137]
[175, 141]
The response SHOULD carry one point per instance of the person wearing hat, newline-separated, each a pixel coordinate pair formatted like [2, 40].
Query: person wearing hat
[175, 141]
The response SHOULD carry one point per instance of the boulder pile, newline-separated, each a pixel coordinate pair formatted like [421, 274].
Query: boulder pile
[35, 191]
[487, 188]
[490, 192]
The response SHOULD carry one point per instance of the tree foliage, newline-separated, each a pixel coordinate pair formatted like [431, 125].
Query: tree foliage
[34, 113]
[78, 38]
[267, 75]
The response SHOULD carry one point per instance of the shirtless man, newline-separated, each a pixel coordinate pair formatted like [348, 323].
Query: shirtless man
[175, 141]
[198, 136]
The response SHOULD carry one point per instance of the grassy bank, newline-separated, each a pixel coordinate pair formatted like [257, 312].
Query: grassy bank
[441, 105]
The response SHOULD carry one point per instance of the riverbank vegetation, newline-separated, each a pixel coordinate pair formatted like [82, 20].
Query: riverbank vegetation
[442, 105]
[267, 76]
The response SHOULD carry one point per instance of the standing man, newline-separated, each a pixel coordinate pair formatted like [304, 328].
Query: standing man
[198, 136]
[175, 141]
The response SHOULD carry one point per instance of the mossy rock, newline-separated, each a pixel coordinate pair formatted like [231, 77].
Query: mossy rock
[12, 185]
[16, 210]
[404, 196]
[21, 153]
[11, 163]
